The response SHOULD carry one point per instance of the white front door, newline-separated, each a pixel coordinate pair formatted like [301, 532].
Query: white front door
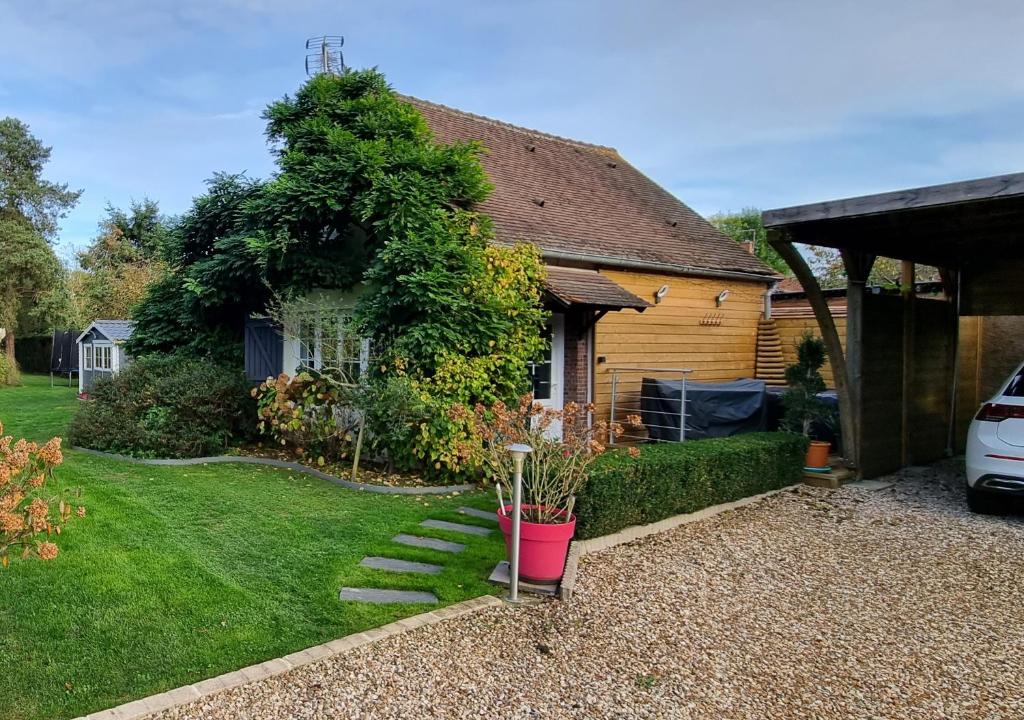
[549, 373]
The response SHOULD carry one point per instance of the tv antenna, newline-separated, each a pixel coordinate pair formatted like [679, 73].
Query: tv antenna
[325, 55]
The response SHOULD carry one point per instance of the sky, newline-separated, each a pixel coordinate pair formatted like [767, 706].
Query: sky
[764, 103]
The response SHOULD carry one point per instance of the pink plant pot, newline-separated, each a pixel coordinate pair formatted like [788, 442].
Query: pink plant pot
[542, 547]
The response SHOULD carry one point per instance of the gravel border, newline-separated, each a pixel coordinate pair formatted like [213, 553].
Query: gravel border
[262, 671]
[286, 465]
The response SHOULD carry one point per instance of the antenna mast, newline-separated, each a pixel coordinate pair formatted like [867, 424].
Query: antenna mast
[325, 56]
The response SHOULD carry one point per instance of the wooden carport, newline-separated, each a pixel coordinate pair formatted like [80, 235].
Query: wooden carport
[897, 380]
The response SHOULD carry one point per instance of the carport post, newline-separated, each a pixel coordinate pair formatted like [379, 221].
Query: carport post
[829, 334]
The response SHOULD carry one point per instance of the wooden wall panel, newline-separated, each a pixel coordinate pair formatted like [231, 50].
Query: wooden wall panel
[792, 328]
[993, 288]
[932, 380]
[881, 385]
[670, 333]
[967, 397]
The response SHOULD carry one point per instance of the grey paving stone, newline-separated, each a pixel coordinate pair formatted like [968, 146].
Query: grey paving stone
[401, 566]
[456, 527]
[386, 597]
[482, 514]
[429, 543]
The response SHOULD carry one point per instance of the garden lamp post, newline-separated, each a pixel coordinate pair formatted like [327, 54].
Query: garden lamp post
[519, 453]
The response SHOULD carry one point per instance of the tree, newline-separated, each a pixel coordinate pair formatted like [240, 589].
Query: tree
[121, 263]
[746, 226]
[827, 265]
[30, 208]
[363, 194]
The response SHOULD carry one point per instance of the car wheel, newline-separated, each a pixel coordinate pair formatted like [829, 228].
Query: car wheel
[980, 502]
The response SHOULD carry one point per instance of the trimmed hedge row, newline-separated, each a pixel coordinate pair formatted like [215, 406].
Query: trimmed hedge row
[673, 478]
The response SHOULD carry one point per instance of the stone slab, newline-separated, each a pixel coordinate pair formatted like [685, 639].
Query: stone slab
[456, 527]
[429, 543]
[871, 484]
[387, 597]
[482, 514]
[400, 566]
[501, 576]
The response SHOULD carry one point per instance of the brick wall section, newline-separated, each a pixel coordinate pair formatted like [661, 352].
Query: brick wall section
[577, 362]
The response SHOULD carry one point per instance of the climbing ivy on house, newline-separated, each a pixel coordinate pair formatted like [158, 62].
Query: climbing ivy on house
[363, 193]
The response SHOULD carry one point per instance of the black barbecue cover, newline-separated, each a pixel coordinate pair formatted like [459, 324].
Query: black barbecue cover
[712, 409]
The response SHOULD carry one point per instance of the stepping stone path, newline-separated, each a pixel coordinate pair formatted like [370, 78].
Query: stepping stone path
[381, 596]
[429, 543]
[400, 566]
[387, 597]
[482, 514]
[456, 527]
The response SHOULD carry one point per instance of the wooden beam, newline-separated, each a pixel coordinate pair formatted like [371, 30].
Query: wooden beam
[858, 267]
[907, 292]
[1001, 186]
[829, 334]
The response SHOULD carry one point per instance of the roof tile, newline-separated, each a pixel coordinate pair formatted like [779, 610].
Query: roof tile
[573, 197]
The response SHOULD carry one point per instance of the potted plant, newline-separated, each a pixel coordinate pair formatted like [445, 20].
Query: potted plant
[553, 473]
[802, 402]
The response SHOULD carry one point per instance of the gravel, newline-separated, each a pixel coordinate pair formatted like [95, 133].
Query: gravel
[892, 603]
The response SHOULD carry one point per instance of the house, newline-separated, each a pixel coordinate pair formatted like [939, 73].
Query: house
[101, 350]
[636, 279]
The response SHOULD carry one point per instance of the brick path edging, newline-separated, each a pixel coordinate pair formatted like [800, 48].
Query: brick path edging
[579, 548]
[270, 668]
[286, 465]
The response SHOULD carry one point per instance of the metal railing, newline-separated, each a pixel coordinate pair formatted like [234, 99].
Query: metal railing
[627, 401]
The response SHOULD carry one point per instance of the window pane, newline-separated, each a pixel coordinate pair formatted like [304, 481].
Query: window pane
[1016, 386]
[540, 372]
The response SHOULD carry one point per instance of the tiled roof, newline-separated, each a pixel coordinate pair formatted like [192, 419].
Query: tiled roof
[789, 284]
[575, 286]
[115, 330]
[574, 198]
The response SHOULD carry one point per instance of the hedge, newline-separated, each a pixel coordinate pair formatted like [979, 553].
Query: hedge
[673, 478]
[166, 407]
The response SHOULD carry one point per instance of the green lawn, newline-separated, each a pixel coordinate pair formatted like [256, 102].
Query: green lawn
[178, 574]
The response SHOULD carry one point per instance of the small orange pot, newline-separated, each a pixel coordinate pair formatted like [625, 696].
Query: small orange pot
[817, 454]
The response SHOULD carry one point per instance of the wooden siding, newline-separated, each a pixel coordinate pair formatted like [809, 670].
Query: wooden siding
[670, 333]
[792, 328]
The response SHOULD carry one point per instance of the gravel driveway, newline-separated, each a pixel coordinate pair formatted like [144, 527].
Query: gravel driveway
[853, 603]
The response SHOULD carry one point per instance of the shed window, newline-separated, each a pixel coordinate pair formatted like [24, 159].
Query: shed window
[103, 357]
[88, 356]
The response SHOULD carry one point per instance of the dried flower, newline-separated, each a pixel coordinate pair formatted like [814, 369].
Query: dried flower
[47, 551]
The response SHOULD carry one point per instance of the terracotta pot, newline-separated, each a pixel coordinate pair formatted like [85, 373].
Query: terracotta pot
[542, 547]
[817, 454]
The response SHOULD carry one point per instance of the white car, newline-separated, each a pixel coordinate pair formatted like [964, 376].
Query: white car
[995, 447]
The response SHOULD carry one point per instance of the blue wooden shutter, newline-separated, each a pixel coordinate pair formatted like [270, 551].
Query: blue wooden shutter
[264, 350]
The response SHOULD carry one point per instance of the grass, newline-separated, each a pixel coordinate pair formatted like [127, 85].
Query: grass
[179, 574]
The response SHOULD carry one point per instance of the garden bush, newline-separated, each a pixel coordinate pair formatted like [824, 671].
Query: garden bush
[166, 406]
[672, 478]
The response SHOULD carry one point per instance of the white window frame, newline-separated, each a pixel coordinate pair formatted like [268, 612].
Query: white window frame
[103, 356]
[87, 356]
[311, 358]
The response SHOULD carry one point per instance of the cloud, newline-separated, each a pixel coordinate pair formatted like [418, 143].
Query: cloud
[726, 103]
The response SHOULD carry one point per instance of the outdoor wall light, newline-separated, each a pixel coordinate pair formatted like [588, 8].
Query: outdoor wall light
[721, 298]
[660, 293]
